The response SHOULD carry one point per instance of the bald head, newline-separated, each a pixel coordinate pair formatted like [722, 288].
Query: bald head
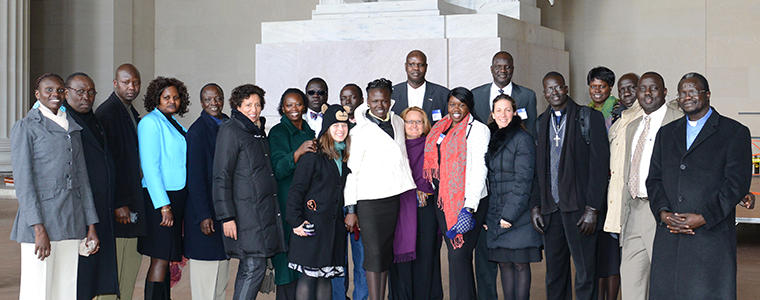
[502, 67]
[126, 83]
[627, 88]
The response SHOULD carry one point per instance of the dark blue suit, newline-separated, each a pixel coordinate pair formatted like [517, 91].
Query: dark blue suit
[201, 142]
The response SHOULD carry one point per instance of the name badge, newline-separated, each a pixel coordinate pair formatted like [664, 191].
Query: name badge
[440, 138]
[437, 115]
[522, 113]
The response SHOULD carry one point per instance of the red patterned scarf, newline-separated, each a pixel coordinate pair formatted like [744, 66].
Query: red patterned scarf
[450, 170]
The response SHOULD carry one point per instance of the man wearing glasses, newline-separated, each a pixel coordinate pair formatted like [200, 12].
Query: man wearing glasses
[316, 94]
[699, 172]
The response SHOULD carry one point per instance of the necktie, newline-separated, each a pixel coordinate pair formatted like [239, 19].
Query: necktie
[314, 115]
[501, 91]
[633, 179]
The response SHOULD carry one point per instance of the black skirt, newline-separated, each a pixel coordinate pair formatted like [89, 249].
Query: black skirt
[607, 256]
[518, 256]
[377, 221]
[163, 242]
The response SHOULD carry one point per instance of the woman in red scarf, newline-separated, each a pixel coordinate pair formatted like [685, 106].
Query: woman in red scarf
[454, 161]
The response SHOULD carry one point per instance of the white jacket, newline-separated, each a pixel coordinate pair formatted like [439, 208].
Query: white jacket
[379, 165]
[476, 170]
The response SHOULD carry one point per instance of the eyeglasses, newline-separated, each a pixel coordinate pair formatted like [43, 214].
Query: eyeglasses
[691, 94]
[90, 92]
[413, 122]
[416, 65]
[313, 92]
[557, 89]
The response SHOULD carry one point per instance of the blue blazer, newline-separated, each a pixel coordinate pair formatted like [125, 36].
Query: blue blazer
[201, 142]
[163, 152]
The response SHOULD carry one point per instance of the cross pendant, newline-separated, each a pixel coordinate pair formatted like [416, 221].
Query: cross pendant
[556, 140]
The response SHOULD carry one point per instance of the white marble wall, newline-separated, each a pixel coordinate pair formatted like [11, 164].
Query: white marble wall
[356, 48]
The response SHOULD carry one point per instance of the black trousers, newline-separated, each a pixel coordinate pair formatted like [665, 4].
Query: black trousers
[562, 240]
[461, 275]
[485, 270]
[249, 277]
[420, 278]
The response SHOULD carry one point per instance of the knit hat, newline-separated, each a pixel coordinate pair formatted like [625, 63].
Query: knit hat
[332, 114]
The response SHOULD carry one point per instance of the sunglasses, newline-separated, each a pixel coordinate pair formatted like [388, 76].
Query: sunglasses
[313, 92]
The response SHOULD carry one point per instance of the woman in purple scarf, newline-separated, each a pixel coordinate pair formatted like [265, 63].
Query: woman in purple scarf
[410, 278]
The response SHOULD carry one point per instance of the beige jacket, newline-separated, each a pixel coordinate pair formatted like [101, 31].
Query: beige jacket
[620, 153]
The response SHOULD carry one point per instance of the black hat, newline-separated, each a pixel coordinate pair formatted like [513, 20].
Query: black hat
[332, 114]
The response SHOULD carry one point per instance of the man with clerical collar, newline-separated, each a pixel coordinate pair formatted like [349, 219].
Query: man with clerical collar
[97, 273]
[316, 95]
[502, 69]
[119, 119]
[697, 175]
[417, 91]
[572, 166]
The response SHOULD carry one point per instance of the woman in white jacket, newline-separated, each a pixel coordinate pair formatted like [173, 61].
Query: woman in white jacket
[454, 160]
[379, 174]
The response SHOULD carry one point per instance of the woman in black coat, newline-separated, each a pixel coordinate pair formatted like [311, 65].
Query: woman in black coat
[315, 203]
[511, 240]
[245, 190]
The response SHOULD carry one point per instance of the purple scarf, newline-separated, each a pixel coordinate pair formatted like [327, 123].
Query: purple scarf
[405, 240]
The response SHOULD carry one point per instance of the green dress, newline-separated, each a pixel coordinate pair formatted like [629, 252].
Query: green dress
[284, 139]
[606, 107]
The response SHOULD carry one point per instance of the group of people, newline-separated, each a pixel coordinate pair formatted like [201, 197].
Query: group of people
[638, 191]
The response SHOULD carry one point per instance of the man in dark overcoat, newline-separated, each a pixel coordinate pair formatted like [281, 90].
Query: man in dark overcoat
[209, 264]
[698, 174]
[572, 167]
[119, 119]
[96, 272]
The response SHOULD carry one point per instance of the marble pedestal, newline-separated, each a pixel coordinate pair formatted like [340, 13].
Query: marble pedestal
[359, 42]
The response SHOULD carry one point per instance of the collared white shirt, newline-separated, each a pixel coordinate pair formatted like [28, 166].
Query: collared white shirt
[315, 125]
[415, 97]
[495, 92]
[655, 123]
[59, 118]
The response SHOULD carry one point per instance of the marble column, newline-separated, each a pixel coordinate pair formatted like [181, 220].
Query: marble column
[14, 71]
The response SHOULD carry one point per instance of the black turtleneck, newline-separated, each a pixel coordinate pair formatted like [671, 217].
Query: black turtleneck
[88, 121]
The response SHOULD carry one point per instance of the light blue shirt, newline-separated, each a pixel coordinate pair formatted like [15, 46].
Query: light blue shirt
[163, 156]
[693, 130]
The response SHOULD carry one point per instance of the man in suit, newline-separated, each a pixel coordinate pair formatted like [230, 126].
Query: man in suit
[97, 272]
[316, 95]
[209, 264]
[699, 172]
[417, 91]
[502, 68]
[572, 163]
[637, 225]
[433, 99]
[119, 119]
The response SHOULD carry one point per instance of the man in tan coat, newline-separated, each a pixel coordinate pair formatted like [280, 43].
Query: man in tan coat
[636, 221]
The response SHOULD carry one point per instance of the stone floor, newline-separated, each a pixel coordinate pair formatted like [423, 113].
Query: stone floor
[748, 248]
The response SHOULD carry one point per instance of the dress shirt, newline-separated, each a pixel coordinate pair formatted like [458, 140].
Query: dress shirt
[59, 118]
[415, 97]
[315, 125]
[495, 92]
[655, 123]
[694, 127]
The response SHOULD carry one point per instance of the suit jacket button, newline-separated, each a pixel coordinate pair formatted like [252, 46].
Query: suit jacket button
[680, 198]
[683, 167]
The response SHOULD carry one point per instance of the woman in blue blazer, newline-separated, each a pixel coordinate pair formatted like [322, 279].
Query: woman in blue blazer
[163, 151]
